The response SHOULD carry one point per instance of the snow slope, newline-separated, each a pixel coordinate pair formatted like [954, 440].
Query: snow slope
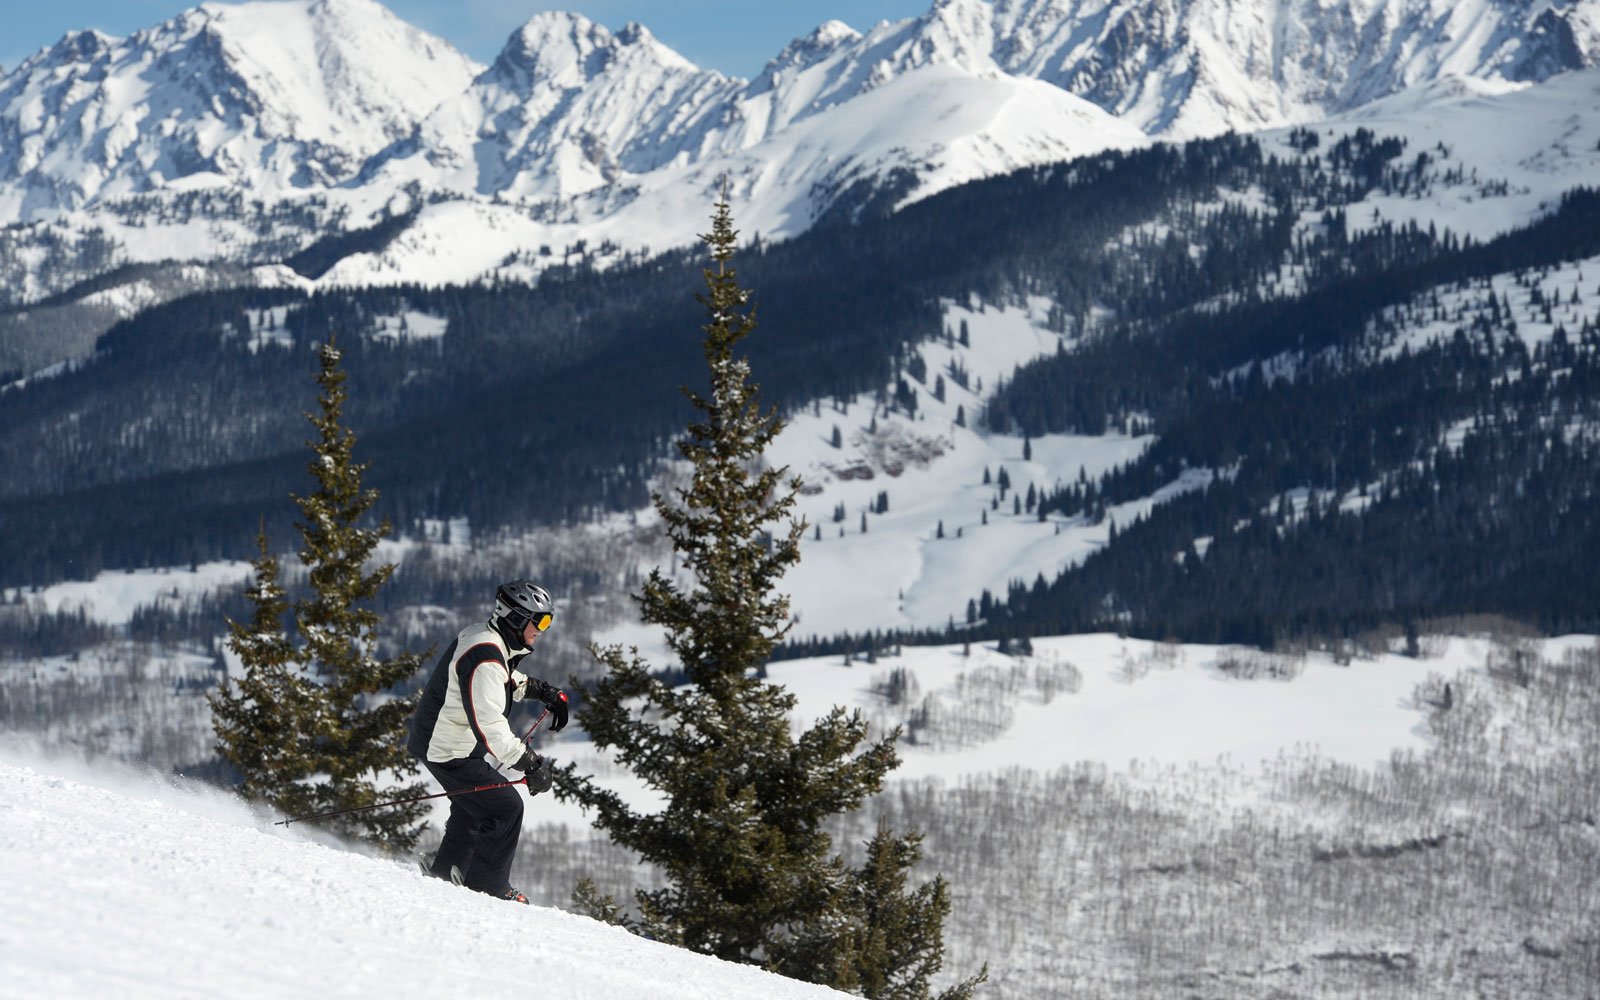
[121, 883]
[899, 572]
[164, 887]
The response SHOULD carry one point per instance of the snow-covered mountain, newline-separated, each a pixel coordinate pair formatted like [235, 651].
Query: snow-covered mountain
[268, 97]
[1181, 68]
[1175, 68]
[571, 109]
[567, 107]
[300, 116]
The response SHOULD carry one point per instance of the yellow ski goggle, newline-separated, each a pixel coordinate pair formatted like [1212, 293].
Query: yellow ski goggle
[544, 621]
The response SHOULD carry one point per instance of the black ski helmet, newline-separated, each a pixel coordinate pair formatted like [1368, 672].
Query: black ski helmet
[516, 604]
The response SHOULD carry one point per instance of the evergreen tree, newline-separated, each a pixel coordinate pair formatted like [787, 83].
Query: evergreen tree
[256, 717]
[314, 728]
[749, 868]
[890, 928]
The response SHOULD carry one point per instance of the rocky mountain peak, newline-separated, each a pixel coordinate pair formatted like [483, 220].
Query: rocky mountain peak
[265, 96]
[567, 50]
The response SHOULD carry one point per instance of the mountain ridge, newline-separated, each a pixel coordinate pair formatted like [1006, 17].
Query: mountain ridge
[577, 136]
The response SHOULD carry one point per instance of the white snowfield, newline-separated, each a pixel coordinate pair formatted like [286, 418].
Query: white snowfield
[1126, 705]
[125, 885]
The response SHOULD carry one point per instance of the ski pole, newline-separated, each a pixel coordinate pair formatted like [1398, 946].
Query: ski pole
[421, 798]
[529, 734]
[398, 802]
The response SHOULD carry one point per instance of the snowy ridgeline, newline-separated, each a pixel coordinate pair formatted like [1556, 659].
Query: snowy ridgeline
[1115, 818]
[334, 116]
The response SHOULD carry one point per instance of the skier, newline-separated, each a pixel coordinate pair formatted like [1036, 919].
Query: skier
[461, 720]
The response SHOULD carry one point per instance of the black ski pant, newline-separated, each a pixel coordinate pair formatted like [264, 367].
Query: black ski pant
[481, 834]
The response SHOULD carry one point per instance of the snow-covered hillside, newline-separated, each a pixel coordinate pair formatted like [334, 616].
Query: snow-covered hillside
[1403, 825]
[946, 534]
[1499, 156]
[119, 881]
[973, 713]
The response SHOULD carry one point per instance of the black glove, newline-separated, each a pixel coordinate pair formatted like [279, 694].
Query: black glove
[540, 772]
[554, 699]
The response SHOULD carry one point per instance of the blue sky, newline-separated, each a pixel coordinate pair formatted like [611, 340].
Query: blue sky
[735, 36]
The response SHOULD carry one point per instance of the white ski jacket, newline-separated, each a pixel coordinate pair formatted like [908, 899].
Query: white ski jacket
[463, 709]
